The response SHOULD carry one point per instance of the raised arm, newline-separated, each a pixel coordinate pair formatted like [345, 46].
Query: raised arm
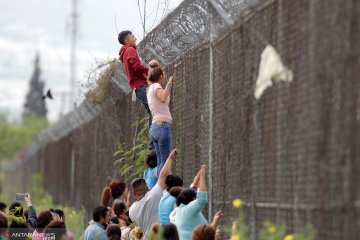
[199, 203]
[195, 183]
[166, 169]
[163, 94]
[32, 220]
[216, 218]
[202, 181]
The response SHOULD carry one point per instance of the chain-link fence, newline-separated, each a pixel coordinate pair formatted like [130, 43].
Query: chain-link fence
[292, 156]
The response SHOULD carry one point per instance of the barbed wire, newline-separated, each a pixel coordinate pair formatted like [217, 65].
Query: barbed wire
[188, 26]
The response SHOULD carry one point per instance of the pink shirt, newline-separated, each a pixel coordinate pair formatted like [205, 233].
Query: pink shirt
[159, 110]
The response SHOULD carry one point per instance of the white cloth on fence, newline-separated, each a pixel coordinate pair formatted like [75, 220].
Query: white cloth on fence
[271, 70]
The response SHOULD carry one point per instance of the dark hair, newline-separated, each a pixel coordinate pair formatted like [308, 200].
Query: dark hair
[117, 188]
[170, 232]
[186, 196]
[56, 224]
[60, 213]
[58, 228]
[16, 209]
[122, 35]
[2, 206]
[18, 228]
[114, 220]
[138, 185]
[119, 207]
[172, 181]
[99, 212]
[128, 220]
[105, 196]
[53, 212]
[151, 160]
[113, 232]
[175, 191]
[204, 232]
[4, 221]
[18, 224]
[44, 218]
[155, 71]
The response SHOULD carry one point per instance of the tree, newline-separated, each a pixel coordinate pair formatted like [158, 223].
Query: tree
[34, 104]
[150, 16]
[15, 137]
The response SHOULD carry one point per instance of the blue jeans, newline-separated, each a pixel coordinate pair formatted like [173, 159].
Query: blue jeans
[161, 136]
[141, 96]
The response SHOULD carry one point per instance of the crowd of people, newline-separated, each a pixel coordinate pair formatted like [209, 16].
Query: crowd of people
[167, 208]
[168, 211]
[20, 223]
[162, 207]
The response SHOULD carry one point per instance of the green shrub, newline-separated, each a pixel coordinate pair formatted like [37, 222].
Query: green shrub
[131, 161]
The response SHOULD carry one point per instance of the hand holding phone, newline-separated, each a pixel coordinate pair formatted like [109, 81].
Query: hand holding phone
[21, 196]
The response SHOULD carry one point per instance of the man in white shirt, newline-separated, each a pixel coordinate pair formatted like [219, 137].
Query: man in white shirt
[145, 210]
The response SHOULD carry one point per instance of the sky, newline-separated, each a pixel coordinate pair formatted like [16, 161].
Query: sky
[43, 26]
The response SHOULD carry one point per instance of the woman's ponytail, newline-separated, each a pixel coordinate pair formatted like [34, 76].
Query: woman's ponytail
[155, 71]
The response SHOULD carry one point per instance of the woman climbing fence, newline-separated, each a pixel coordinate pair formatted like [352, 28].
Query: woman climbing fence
[158, 100]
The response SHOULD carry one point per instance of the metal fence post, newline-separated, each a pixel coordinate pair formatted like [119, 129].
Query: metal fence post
[211, 128]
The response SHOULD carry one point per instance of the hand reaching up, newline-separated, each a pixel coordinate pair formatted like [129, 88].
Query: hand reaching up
[202, 178]
[195, 183]
[216, 219]
[166, 168]
[28, 200]
[171, 80]
[174, 153]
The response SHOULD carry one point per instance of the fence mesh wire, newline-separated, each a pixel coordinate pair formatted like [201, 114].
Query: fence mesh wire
[291, 156]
